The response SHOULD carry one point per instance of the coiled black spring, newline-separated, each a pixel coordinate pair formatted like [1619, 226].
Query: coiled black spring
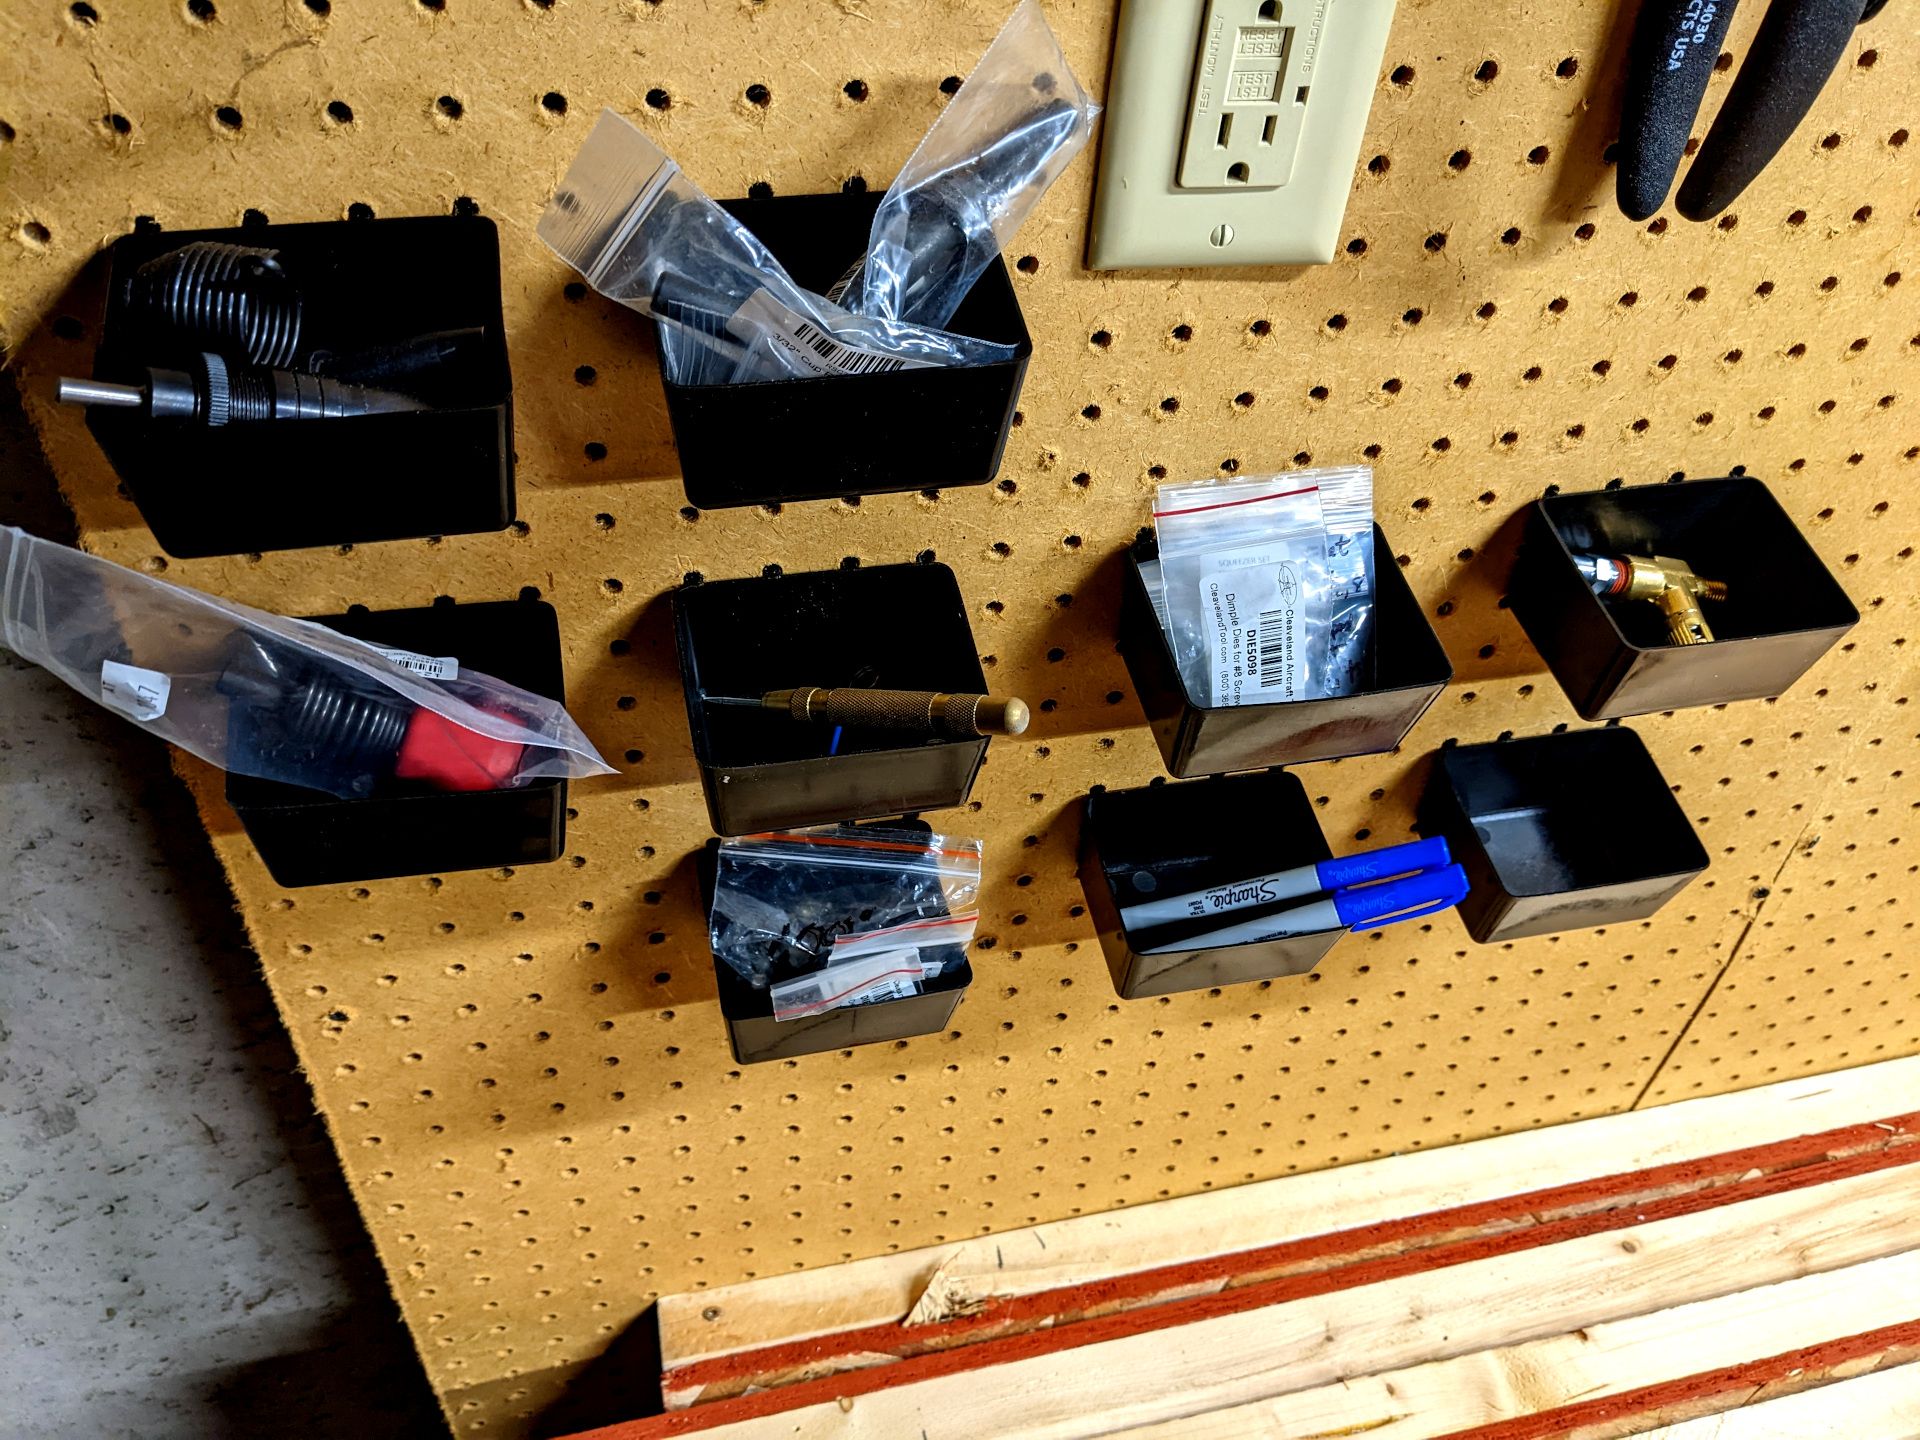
[351, 728]
[222, 297]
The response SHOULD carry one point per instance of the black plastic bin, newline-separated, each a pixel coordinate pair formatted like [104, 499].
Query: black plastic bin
[308, 837]
[756, 1035]
[898, 627]
[1560, 832]
[917, 429]
[1164, 840]
[1783, 610]
[1410, 669]
[277, 485]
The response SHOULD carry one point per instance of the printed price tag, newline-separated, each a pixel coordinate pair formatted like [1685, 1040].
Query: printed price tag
[442, 667]
[132, 691]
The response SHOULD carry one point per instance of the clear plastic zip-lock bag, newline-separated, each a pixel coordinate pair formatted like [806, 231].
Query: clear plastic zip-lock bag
[266, 695]
[843, 915]
[1264, 585]
[1016, 124]
[643, 234]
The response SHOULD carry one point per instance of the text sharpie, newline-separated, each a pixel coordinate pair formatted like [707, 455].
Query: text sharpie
[1364, 907]
[1335, 874]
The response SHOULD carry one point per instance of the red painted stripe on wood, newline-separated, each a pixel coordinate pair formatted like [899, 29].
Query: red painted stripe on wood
[1006, 1349]
[729, 1374]
[1673, 1400]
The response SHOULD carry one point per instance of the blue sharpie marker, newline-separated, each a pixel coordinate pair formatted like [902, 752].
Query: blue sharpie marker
[1329, 875]
[1364, 907]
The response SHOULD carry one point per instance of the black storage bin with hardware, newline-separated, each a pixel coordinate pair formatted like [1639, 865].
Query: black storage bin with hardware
[253, 485]
[810, 439]
[898, 627]
[1783, 609]
[756, 1035]
[1164, 840]
[1560, 832]
[1410, 669]
[309, 837]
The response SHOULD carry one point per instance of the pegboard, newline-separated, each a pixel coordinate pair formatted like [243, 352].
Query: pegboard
[525, 1072]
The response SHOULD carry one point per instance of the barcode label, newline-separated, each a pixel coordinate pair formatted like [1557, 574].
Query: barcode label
[765, 323]
[1276, 646]
[434, 667]
[843, 358]
[1256, 616]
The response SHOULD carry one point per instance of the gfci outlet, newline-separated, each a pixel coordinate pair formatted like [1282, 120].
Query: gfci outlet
[1232, 130]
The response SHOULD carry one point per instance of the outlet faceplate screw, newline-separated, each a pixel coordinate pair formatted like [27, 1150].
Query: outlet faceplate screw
[1222, 235]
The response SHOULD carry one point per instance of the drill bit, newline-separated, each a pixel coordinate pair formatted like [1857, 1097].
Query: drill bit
[214, 394]
[931, 711]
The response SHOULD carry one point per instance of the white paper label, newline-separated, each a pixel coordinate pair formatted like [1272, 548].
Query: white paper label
[133, 691]
[884, 976]
[804, 343]
[1257, 617]
[441, 667]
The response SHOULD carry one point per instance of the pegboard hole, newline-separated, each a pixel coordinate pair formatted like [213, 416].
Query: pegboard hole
[1336, 322]
[449, 107]
[760, 95]
[1487, 310]
[1487, 72]
[951, 85]
[1028, 265]
[658, 99]
[1402, 75]
[1379, 165]
[339, 112]
[83, 14]
[1585, 232]
[322, 8]
[1539, 155]
[1831, 141]
[554, 103]
[1602, 367]
[585, 374]
[1100, 339]
[1567, 68]
[855, 90]
[594, 450]
[1257, 328]
[116, 123]
[36, 234]
[228, 118]
[203, 11]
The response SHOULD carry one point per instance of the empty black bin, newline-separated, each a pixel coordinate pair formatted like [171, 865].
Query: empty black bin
[897, 627]
[809, 439]
[1783, 609]
[282, 484]
[1410, 669]
[309, 837]
[1560, 832]
[1162, 840]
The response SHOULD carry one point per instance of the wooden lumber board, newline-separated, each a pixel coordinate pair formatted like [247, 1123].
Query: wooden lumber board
[721, 1342]
[1715, 1351]
[1882, 1405]
[1326, 1260]
[1199, 1355]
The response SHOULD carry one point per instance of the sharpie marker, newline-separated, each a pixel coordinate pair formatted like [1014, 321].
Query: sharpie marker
[1362, 908]
[1329, 875]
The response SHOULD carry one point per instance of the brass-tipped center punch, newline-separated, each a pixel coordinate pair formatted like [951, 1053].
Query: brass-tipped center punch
[930, 712]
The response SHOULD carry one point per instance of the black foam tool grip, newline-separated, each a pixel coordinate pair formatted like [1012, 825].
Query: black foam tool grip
[1675, 45]
[1794, 51]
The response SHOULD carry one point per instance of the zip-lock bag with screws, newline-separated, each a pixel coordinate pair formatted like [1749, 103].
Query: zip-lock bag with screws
[845, 915]
[1264, 585]
[267, 695]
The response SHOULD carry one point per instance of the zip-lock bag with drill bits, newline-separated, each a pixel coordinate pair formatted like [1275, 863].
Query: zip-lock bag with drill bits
[275, 386]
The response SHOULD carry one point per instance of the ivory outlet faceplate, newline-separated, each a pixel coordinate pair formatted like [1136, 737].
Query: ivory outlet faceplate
[1232, 130]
